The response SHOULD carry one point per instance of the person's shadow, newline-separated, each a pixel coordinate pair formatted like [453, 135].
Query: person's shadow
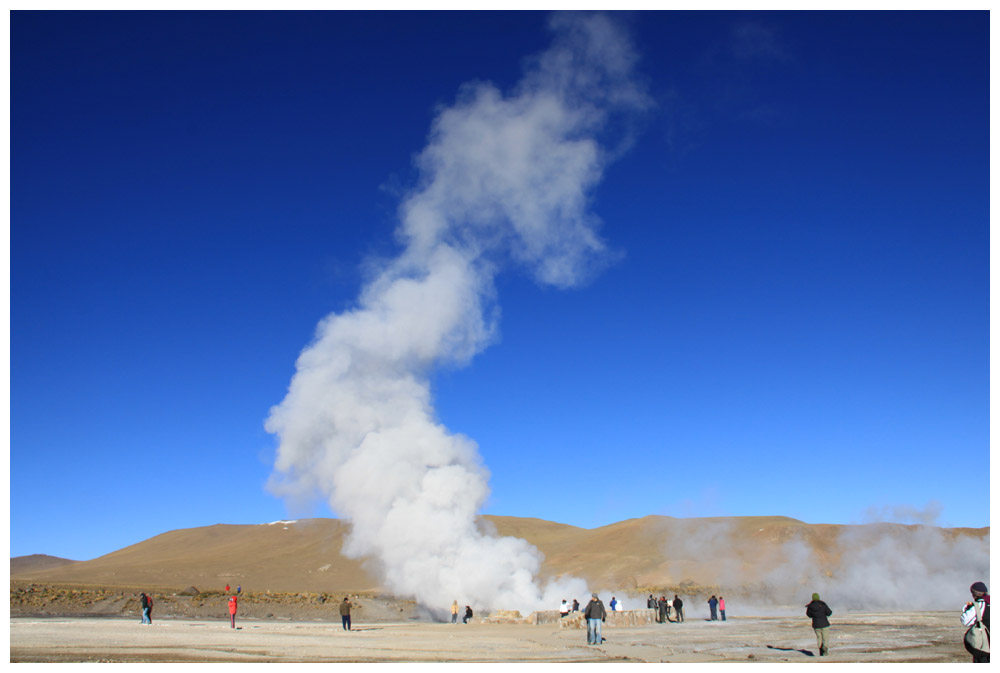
[808, 653]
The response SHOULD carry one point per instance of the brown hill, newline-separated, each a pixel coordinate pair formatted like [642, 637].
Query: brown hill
[20, 565]
[304, 556]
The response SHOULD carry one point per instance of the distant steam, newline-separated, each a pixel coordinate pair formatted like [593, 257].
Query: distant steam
[874, 566]
[503, 178]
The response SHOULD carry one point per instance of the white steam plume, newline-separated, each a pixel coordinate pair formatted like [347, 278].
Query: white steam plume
[503, 177]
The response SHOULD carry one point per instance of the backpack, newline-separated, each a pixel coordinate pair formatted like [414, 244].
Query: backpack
[978, 636]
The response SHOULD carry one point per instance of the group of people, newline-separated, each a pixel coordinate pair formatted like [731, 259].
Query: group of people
[566, 608]
[466, 617]
[716, 606]
[664, 606]
[975, 616]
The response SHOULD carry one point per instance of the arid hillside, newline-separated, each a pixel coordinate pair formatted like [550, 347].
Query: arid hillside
[637, 554]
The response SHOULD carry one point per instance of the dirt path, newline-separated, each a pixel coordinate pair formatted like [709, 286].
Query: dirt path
[898, 637]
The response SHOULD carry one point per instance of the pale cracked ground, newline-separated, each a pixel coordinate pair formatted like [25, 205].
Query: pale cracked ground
[895, 637]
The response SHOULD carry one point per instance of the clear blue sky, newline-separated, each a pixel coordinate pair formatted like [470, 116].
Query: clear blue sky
[798, 323]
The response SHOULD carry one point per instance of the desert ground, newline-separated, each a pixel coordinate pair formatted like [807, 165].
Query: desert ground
[887, 637]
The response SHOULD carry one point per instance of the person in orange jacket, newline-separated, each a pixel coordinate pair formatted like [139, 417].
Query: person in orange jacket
[232, 611]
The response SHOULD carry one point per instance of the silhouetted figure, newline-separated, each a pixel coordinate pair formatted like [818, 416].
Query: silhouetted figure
[576, 605]
[713, 606]
[678, 609]
[818, 611]
[468, 615]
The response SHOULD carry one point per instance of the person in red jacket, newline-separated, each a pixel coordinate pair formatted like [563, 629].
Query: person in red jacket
[232, 611]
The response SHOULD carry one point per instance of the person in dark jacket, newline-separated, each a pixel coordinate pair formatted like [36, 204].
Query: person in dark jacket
[713, 606]
[818, 611]
[595, 615]
[663, 614]
[678, 609]
[978, 609]
[147, 607]
[468, 615]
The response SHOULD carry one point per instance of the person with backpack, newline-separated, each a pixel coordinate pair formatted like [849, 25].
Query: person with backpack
[976, 616]
[147, 608]
[818, 611]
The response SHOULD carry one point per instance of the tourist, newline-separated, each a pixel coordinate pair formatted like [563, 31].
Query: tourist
[468, 615]
[976, 613]
[678, 609]
[722, 607]
[454, 612]
[232, 612]
[564, 608]
[576, 605]
[147, 607]
[345, 614]
[613, 604]
[595, 616]
[818, 611]
[713, 605]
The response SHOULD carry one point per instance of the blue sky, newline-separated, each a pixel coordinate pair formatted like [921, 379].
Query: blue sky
[796, 323]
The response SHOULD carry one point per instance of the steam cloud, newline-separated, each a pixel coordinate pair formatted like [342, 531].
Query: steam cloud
[503, 178]
[876, 566]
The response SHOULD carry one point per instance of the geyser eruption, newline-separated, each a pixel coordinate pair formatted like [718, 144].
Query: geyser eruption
[503, 178]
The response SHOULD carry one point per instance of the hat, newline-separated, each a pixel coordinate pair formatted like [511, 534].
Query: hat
[815, 597]
[593, 595]
[980, 587]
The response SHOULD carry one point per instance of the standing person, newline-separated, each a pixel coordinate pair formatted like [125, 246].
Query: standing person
[664, 610]
[818, 611]
[345, 614]
[713, 605]
[595, 615]
[651, 602]
[976, 612]
[576, 605]
[238, 588]
[468, 615]
[232, 612]
[613, 604]
[147, 605]
[454, 612]
[678, 609]
[564, 608]
[227, 588]
[722, 607]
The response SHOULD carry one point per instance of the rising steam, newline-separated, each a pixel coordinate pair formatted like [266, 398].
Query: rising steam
[504, 178]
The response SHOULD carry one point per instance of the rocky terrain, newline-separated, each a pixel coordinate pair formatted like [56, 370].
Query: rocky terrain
[30, 599]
